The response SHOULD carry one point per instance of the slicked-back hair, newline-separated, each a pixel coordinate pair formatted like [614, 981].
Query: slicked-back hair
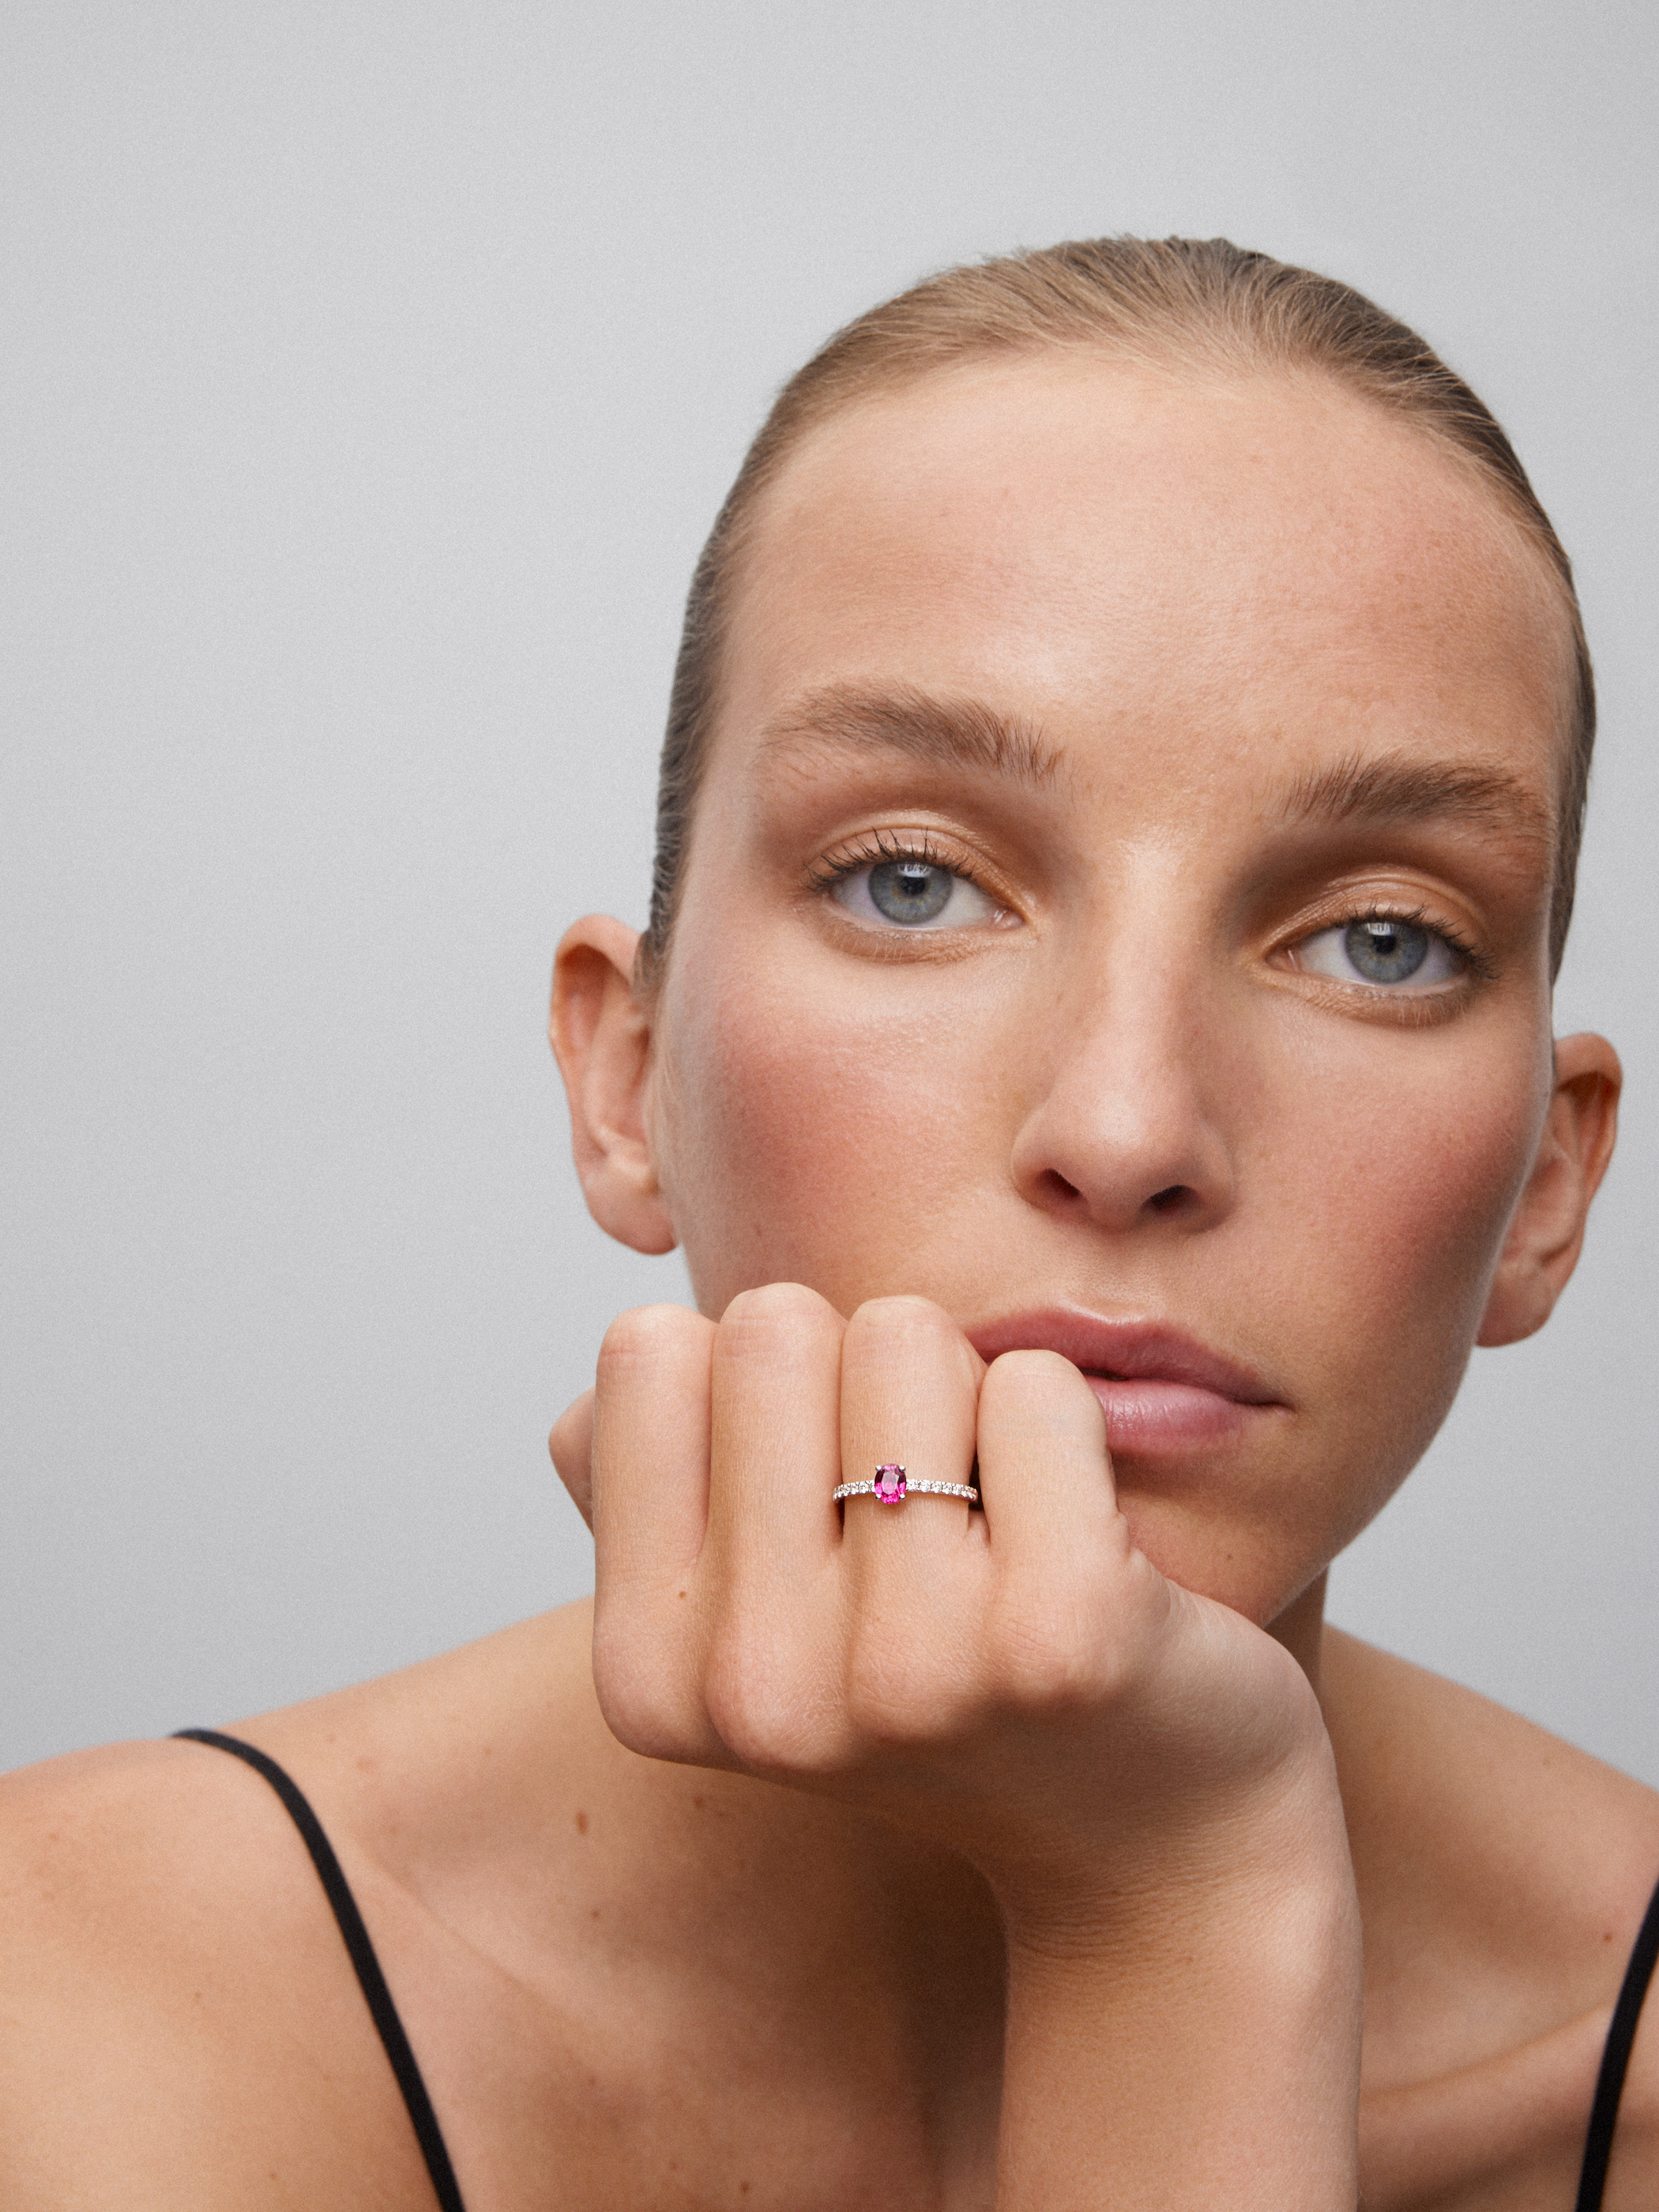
[1199, 304]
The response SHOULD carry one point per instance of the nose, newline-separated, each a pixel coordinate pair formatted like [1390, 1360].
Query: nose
[1137, 1096]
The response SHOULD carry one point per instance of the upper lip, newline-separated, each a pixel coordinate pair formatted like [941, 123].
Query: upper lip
[1123, 1350]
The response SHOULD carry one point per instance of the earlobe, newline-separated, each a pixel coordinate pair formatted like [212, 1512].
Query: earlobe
[601, 1037]
[1547, 1231]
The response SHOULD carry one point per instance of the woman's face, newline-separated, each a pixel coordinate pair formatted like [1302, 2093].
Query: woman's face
[1118, 910]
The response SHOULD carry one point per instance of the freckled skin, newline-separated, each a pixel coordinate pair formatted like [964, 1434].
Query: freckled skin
[1196, 593]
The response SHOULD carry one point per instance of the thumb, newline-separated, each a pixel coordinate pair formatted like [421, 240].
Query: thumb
[571, 1447]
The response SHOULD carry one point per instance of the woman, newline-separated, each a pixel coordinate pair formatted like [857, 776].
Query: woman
[1092, 1041]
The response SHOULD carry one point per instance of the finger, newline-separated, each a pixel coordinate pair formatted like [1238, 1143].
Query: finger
[570, 1446]
[771, 1557]
[909, 1387]
[1045, 1472]
[1059, 1543]
[775, 1397]
[650, 1496]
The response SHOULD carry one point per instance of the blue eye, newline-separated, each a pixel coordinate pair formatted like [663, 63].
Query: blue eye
[1383, 949]
[1386, 952]
[908, 892]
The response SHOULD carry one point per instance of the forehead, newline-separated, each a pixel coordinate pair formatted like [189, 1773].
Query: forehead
[1153, 567]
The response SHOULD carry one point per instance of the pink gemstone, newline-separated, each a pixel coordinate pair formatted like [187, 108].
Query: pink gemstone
[889, 1482]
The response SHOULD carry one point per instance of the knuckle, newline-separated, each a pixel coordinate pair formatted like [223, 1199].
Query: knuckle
[899, 1306]
[1016, 1377]
[759, 1323]
[783, 1302]
[916, 1319]
[881, 1710]
[640, 1704]
[900, 1695]
[758, 1705]
[1043, 1661]
[1033, 1361]
[646, 1334]
[908, 1333]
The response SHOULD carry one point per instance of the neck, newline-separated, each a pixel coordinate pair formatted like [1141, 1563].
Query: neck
[1301, 1629]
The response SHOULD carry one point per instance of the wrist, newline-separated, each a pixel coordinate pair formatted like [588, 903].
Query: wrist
[1270, 1860]
[1198, 2050]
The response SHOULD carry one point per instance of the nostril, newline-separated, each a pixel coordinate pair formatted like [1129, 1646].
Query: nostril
[1170, 1200]
[1058, 1189]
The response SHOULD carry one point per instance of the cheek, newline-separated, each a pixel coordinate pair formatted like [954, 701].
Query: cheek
[1417, 1177]
[1395, 1194]
[1356, 1267]
[815, 1151]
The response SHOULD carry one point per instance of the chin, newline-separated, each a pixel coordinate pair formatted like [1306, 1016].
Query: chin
[1253, 1571]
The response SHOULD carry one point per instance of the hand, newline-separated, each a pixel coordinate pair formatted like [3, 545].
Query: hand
[1020, 1684]
[1141, 1775]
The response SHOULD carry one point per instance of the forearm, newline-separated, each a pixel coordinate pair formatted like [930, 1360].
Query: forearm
[1208, 2059]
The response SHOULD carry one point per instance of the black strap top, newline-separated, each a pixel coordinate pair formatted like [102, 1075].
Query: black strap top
[372, 1981]
[1615, 2059]
[1598, 2143]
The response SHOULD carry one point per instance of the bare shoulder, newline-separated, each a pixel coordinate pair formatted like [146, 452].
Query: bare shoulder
[1441, 1779]
[145, 1896]
[180, 2022]
[1502, 1876]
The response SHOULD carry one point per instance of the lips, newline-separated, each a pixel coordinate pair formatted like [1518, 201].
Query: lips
[1162, 1391]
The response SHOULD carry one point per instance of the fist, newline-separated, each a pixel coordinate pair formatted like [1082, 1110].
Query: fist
[1018, 1683]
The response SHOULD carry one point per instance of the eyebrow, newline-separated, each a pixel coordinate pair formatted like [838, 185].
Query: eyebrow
[1393, 789]
[947, 732]
[965, 733]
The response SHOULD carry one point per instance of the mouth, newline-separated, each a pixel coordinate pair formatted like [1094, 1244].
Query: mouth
[1162, 1391]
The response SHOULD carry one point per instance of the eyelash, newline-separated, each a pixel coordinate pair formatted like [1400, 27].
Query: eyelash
[879, 845]
[876, 846]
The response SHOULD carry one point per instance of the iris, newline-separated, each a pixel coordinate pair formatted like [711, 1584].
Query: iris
[909, 891]
[1386, 950]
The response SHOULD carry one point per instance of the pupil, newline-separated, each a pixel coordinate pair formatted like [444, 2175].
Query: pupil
[909, 891]
[1386, 952]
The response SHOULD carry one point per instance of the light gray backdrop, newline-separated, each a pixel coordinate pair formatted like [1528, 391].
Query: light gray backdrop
[372, 374]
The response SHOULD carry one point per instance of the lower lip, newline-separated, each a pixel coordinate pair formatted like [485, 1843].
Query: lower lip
[1165, 1417]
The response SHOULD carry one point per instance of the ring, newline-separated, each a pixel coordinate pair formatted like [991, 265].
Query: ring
[890, 1486]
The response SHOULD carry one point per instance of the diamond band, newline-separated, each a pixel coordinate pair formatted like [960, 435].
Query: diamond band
[891, 1485]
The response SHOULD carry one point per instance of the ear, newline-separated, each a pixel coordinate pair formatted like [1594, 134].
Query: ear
[1547, 1230]
[602, 1039]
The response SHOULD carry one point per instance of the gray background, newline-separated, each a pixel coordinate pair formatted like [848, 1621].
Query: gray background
[372, 373]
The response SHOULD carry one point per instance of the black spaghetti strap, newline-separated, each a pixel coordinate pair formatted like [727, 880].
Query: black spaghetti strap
[1615, 2058]
[370, 1978]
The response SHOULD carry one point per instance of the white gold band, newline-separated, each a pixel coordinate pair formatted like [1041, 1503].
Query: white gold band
[911, 1490]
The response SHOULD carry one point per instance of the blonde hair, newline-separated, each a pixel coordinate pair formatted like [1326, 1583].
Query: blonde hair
[1202, 303]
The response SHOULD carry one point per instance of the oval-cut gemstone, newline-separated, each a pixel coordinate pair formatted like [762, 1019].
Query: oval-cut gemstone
[889, 1482]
